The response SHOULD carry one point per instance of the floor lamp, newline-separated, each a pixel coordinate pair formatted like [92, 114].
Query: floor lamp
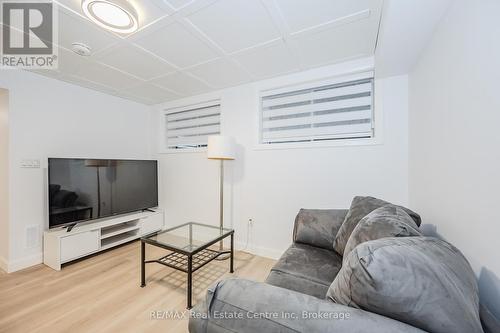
[221, 148]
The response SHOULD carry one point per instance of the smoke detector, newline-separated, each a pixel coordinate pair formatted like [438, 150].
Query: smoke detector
[81, 49]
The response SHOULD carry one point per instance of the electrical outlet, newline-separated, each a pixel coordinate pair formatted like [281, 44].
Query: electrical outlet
[250, 222]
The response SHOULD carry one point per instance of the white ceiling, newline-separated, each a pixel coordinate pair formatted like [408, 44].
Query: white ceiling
[188, 47]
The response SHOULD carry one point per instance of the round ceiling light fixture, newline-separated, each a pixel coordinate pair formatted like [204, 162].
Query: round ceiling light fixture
[115, 15]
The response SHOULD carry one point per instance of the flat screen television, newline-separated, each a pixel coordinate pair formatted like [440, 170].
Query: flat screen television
[87, 189]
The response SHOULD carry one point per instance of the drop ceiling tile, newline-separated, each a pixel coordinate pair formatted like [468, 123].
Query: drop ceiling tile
[337, 44]
[87, 84]
[235, 24]
[192, 6]
[176, 45]
[268, 60]
[107, 76]
[46, 72]
[73, 28]
[103, 89]
[70, 62]
[151, 93]
[178, 4]
[134, 98]
[220, 73]
[147, 10]
[182, 83]
[300, 14]
[73, 5]
[133, 60]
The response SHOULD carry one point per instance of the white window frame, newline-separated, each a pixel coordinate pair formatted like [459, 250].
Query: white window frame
[168, 109]
[377, 116]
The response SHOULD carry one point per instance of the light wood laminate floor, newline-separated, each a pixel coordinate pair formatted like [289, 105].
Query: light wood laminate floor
[102, 293]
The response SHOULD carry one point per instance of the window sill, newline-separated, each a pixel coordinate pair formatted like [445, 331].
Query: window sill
[324, 144]
[184, 151]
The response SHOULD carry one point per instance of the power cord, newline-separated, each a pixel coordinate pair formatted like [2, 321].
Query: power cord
[249, 225]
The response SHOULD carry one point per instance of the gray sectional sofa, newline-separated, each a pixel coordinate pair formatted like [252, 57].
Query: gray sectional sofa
[365, 269]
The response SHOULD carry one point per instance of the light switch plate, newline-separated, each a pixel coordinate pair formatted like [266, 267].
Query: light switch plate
[30, 163]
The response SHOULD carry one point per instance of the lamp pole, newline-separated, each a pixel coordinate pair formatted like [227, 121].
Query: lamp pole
[221, 201]
[221, 148]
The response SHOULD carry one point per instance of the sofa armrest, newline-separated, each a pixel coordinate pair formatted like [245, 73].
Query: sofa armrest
[318, 227]
[238, 305]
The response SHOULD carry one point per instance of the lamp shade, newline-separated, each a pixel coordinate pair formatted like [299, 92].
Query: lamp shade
[220, 147]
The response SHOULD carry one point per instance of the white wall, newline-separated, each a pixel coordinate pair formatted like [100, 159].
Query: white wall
[270, 186]
[455, 137]
[50, 118]
[4, 178]
[406, 28]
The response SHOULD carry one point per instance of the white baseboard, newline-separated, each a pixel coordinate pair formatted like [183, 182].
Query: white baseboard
[260, 251]
[36, 259]
[25, 262]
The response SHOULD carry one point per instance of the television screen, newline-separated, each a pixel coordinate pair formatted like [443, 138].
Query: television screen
[86, 189]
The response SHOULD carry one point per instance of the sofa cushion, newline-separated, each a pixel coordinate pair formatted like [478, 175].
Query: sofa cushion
[297, 283]
[387, 221]
[360, 207]
[422, 281]
[306, 269]
[318, 227]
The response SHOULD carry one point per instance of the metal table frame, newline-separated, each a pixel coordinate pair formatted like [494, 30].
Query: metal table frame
[184, 260]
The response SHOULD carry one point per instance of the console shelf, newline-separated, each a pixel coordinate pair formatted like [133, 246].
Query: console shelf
[61, 246]
[121, 238]
[120, 228]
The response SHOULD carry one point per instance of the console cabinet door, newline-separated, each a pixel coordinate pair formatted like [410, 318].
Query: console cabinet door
[151, 223]
[78, 245]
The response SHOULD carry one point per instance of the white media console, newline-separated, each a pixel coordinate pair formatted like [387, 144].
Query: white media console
[60, 246]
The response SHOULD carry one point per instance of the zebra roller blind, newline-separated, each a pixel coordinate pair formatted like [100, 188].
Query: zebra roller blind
[189, 127]
[324, 112]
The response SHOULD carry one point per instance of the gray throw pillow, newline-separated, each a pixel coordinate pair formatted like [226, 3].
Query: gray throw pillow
[421, 281]
[360, 207]
[317, 227]
[387, 221]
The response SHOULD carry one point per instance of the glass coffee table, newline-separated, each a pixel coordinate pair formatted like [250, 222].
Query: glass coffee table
[189, 244]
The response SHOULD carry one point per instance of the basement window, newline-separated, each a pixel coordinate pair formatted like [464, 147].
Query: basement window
[189, 127]
[330, 110]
